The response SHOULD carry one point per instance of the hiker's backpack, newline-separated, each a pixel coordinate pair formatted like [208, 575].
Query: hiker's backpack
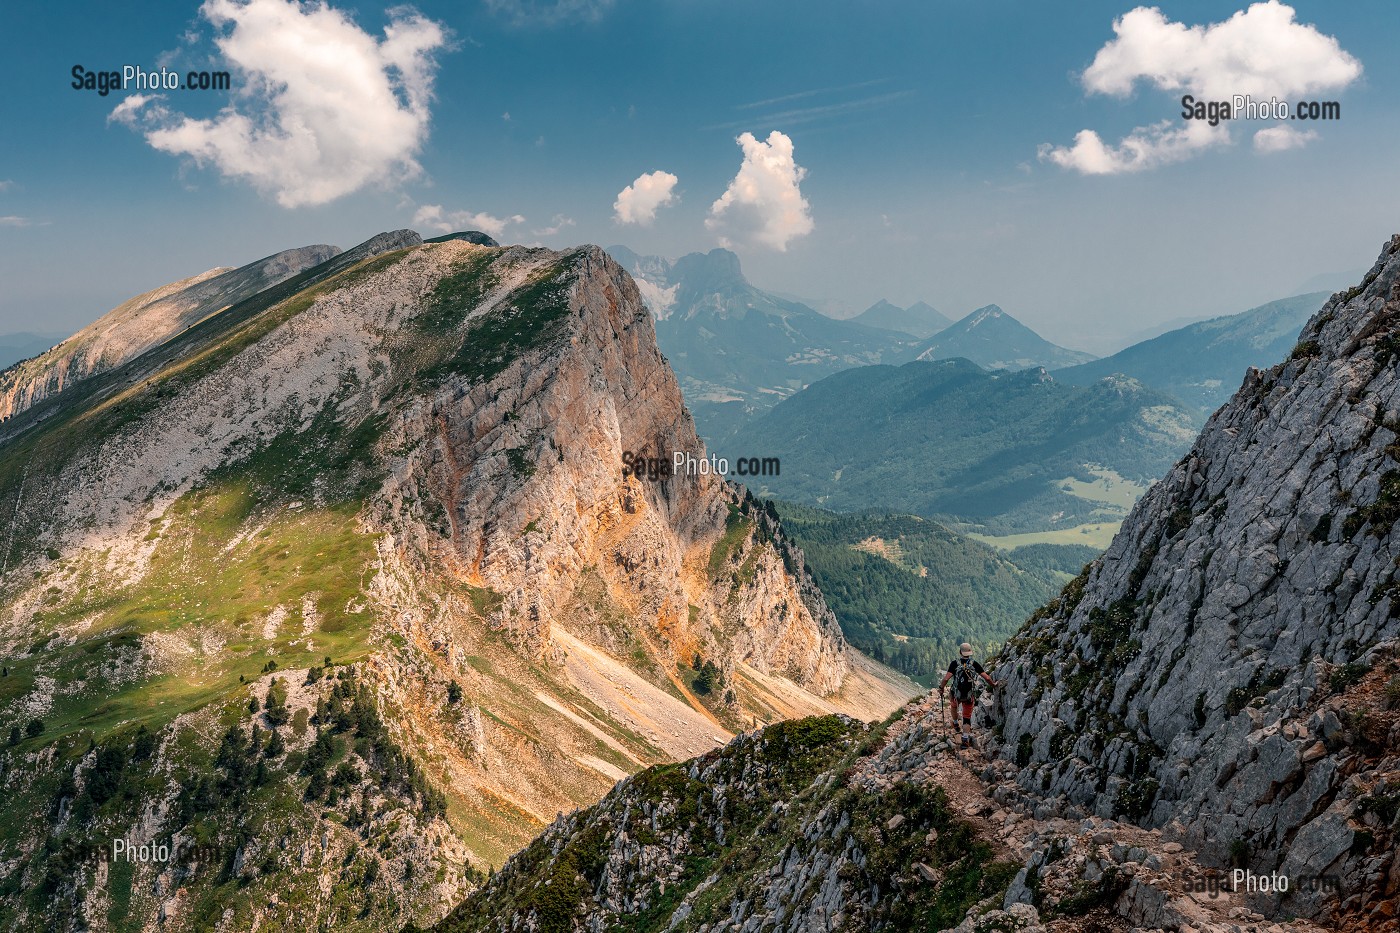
[966, 677]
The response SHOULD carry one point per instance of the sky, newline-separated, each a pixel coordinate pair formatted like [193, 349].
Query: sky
[1029, 155]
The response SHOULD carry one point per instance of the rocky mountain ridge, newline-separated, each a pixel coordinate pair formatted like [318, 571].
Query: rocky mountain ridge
[405, 467]
[1216, 698]
[146, 321]
[1223, 669]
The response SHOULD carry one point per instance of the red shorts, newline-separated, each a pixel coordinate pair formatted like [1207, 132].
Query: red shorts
[966, 707]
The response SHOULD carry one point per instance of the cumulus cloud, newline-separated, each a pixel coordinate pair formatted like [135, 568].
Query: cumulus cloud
[764, 202]
[439, 220]
[6, 184]
[1262, 51]
[639, 201]
[1144, 148]
[1282, 137]
[324, 109]
[549, 12]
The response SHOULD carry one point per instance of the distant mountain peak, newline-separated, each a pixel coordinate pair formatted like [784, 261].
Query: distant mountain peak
[993, 339]
[919, 320]
[718, 262]
[986, 313]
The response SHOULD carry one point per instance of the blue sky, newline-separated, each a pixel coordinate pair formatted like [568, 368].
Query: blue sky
[918, 128]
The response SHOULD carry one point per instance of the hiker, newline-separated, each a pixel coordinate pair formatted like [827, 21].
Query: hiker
[963, 672]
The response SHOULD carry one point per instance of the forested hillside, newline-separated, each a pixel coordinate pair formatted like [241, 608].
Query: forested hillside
[908, 591]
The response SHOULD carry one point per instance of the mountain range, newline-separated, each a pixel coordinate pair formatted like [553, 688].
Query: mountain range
[737, 349]
[1216, 698]
[919, 320]
[342, 589]
[950, 439]
[1203, 363]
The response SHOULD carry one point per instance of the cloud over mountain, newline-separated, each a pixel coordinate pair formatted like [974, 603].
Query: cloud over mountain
[639, 201]
[438, 219]
[764, 202]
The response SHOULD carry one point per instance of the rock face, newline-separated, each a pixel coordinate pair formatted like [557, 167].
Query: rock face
[403, 469]
[144, 322]
[528, 469]
[1223, 668]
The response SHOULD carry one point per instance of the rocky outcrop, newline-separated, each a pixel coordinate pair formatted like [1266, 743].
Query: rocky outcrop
[1222, 670]
[529, 469]
[144, 322]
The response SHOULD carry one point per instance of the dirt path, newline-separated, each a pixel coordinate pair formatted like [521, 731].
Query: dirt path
[1163, 884]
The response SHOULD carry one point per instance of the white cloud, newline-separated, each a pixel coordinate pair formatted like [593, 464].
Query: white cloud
[325, 108]
[549, 12]
[435, 218]
[1262, 51]
[556, 226]
[1282, 137]
[129, 111]
[1144, 148]
[6, 184]
[639, 201]
[13, 221]
[764, 201]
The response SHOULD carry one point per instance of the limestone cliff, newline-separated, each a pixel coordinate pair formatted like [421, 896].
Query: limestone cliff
[527, 471]
[1227, 670]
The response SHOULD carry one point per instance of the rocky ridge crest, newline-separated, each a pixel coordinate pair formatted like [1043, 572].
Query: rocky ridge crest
[1222, 671]
[146, 321]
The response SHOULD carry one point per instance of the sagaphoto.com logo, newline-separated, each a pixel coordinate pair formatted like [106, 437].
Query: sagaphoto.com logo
[1245, 107]
[136, 78]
